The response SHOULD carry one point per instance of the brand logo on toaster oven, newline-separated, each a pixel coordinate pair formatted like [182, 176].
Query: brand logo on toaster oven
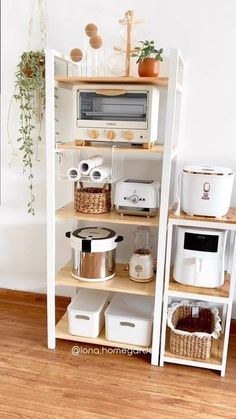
[111, 124]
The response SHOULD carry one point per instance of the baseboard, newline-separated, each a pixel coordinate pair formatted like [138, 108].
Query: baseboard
[40, 300]
[30, 298]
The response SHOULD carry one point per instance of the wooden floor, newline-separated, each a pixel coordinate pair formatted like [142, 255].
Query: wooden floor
[39, 383]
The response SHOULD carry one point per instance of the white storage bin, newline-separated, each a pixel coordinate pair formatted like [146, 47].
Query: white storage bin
[86, 312]
[129, 319]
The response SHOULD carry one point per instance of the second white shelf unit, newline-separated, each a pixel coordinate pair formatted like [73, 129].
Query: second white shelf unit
[222, 296]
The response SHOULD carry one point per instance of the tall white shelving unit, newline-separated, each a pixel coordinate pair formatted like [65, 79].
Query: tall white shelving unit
[167, 152]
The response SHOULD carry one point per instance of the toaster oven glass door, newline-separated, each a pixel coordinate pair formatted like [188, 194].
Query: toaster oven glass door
[201, 242]
[119, 108]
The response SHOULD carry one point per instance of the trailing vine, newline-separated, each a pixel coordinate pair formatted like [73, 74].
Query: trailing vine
[30, 93]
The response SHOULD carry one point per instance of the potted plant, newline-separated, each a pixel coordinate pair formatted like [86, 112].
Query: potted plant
[149, 58]
[30, 93]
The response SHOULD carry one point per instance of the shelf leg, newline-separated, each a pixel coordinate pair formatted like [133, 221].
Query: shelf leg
[51, 319]
[50, 160]
[164, 205]
[229, 310]
[229, 247]
[224, 315]
[165, 304]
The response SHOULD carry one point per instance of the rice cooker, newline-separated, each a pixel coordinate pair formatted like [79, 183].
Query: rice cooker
[200, 257]
[93, 253]
[206, 190]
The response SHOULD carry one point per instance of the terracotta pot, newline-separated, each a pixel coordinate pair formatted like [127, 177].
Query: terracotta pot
[27, 71]
[149, 67]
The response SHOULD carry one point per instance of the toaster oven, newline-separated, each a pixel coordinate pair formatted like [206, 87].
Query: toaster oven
[116, 113]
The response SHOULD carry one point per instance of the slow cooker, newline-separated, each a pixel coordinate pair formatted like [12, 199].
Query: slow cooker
[93, 253]
[206, 190]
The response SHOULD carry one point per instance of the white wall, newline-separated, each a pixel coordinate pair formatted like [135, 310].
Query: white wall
[204, 31]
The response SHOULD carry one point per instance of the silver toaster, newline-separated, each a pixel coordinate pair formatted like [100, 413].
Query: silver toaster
[137, 197]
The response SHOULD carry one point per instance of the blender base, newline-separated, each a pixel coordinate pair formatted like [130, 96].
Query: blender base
[141, 280]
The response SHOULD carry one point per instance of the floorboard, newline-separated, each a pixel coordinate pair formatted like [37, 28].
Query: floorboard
[37, 383]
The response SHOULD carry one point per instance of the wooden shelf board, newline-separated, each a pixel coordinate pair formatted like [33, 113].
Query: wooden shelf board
[68, 212]
[159, 81]
[214, 362]
[120, 282]
[62, 332]
[229, 218]
[220, 292]
[122, 147]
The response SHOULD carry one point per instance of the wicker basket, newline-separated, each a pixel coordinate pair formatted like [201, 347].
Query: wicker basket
[192, 328]
[92, 200]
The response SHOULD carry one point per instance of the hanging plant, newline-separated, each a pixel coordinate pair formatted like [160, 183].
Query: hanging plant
[30, 94]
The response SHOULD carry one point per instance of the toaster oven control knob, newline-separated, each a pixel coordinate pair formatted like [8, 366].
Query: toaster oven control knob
[134, 199]
[128, 135]
[111, 134]
[93, 133]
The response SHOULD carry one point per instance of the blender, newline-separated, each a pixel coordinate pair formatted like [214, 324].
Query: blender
[141, 262]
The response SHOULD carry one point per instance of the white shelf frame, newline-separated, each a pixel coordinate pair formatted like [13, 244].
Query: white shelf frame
[50, 172]
[175, 87]
[226, 302]
[171, 133]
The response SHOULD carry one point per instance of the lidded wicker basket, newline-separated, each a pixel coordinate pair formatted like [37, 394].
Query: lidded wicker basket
[92, 200]
[192, 328]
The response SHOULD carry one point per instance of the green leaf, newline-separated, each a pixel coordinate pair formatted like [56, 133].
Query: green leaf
[147, 50]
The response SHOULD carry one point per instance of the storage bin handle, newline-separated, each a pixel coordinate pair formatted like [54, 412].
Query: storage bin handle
[127, 324]
[82, 317]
